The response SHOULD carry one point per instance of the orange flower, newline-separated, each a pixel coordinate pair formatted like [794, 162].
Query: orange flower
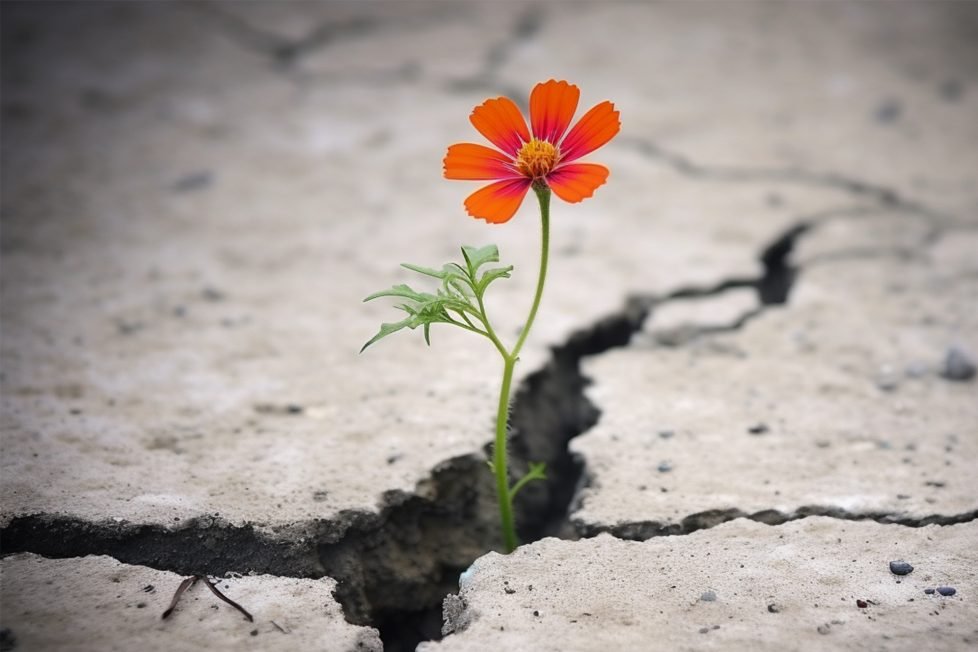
[546, 157]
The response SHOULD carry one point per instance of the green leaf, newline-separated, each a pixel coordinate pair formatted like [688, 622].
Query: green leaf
[492, 275]
[400, 291]
[388, 329]
[427, 271]
[477, 257]
[460, 292]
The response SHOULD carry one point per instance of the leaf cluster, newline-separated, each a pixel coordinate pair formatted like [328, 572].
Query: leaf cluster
[459, 300]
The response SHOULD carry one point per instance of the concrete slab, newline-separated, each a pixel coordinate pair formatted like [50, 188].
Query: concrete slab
[196, 196]
[158, 332]
[186, 228]
[96, 603]
[814, 584]
[834, 403]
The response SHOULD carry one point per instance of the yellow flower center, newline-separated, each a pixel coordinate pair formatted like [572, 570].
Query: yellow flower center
[537, 158]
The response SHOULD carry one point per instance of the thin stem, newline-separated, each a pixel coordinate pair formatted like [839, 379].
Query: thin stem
[490, 333]
[499, 464]
[525, 480]
[543, 194]
[473, 329]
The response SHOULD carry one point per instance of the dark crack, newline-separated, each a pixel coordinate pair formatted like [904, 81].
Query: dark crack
[643, 530]
[202, 546]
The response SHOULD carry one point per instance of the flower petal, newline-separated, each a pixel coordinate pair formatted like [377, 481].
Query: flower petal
[497, 202]
[552, 106]
[472, 162]
[577, 181]
[594, 129]
[501, 122]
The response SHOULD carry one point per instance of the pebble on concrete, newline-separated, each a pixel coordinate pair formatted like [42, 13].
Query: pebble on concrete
[900, 568]
[958, 365]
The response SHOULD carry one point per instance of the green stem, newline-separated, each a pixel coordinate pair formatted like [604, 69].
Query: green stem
[500, 465]
[543, 194]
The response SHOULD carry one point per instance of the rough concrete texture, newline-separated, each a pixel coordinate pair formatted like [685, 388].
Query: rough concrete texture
[834, 403]
[196, 197]
[814, 584]
[97, 604]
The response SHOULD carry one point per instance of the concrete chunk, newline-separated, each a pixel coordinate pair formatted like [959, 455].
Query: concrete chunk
[812, 408]
[813, 584]
[97, 604]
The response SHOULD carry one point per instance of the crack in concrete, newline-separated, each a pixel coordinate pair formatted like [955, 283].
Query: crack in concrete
[287, 52]
[643, 530]
[884, 195]
[284, 51]
[524, 29]
[395, 566]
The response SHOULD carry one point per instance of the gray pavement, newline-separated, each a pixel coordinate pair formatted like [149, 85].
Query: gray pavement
[815, 584]
[773, 300]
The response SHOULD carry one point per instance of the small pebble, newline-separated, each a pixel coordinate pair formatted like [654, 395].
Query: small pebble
[773, 608]
[664, 467]
[709, 596]
[929, 591]
[823, 629]
[900, 568]
[704, 630]
[862, 604]
[758, 429]
[666, 434]
[958, 365]
[947, 590]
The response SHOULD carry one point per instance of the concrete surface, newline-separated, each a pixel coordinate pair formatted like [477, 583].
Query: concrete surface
[196, 197]
[739, 586]
[96, 603]
[833, 403]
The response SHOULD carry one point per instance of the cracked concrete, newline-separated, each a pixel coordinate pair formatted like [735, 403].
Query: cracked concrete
[833, 403]
[188, 230]
[96, 603]
[741, 585]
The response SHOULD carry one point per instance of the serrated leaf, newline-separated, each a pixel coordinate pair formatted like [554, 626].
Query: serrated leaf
[401, 291]
[492, 275]
[388, 329]
[461, 287]
[427, 271]
[476, 257]
[458, 291]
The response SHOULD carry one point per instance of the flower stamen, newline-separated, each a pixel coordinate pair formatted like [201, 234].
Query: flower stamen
[537, 158]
